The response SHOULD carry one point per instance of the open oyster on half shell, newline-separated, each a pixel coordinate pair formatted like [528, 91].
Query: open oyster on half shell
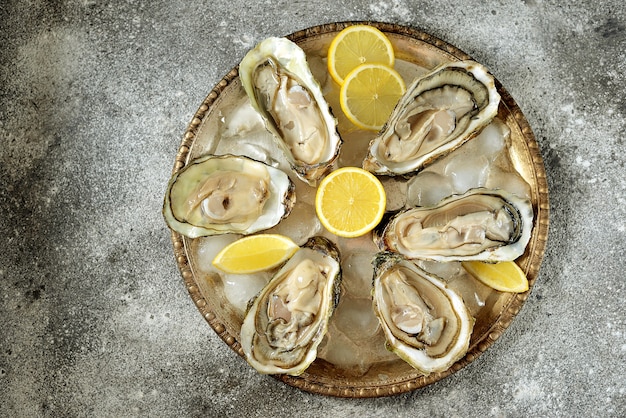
[425, 323]
[438, 113]
[279, 83]
[219, 194]
[481, 224]
[287, 321]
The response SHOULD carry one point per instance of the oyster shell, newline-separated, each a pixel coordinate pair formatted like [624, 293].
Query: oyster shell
[288, 319]
[437, 114]
[220, 194]
[279, 83]
[481, 224]
[425, 323]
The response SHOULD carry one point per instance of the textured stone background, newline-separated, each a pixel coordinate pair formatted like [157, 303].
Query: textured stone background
[94, 99]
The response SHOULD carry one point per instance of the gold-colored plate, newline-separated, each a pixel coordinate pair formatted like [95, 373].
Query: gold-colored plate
[391, 377]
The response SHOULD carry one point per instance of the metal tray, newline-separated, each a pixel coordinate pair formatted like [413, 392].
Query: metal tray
[414, 48]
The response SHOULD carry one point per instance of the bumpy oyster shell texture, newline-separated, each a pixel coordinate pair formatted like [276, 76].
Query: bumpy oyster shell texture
[438, 113]
[279, 83]
[288, 320]
[425, 323]
[226, 194]
[481, 224]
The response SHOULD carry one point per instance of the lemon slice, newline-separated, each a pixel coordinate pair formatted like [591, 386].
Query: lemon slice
[369, 94]
[255, 253]
[504, 276]
[356, 45]
[350, 202]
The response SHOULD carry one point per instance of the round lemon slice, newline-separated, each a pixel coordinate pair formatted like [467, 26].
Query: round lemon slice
[369, 94]
[350, 202]
[255, 253]
[356, 45]
[505, 276]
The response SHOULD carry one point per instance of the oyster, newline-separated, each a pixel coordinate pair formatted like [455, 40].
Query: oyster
[288, 319]
[437, 114]
[425, 323]
[279, 83]
[220, 194]
[481, 224]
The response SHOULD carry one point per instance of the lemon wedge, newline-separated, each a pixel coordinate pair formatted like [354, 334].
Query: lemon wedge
[505, 276]
[255, 253]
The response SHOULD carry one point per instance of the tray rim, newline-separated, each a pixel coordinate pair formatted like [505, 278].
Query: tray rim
[510, 311]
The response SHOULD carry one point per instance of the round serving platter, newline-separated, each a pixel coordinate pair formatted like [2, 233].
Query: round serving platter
[415, 51]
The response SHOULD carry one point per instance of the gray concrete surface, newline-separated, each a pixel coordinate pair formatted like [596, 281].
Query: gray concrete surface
[94, 99]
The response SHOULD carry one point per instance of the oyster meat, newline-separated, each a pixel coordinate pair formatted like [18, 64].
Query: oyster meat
[481, 224]
[288, 319]
[425, 323]
[438, 113]
[221, 194]
[279, 83]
